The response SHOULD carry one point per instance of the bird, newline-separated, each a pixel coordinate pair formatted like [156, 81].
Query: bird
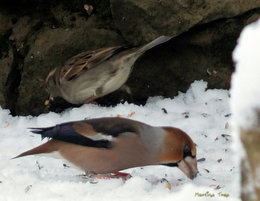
[109, 145]
[92, 74]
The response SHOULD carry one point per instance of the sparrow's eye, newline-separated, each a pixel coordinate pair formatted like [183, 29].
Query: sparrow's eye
[186, 150]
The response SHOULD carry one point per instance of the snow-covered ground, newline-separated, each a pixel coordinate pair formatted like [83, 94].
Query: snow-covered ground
[245, 102]
[245, 80]
[203, 114]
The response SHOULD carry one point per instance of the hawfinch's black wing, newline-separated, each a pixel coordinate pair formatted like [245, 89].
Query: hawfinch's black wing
[93, 133]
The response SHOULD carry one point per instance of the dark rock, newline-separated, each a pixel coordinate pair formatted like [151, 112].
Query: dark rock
[142, 21]
[6, 54]
[202, 53]
[5, 69]
[37, 36]
[50, 48]
[6, 23]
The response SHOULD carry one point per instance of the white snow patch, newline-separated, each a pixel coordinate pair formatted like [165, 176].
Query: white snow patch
[246, 80]
[203, 114]
[245, 91]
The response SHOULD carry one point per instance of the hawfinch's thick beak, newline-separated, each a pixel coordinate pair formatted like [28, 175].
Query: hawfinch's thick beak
[189, 167]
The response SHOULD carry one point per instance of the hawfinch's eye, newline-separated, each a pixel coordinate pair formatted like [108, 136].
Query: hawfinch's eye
[187, 149]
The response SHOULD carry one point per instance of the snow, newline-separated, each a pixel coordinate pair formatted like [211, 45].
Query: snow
[245, 81]
[203, 114]
[245, 92]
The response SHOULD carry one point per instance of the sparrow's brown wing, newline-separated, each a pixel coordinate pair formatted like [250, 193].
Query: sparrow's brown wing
[87, 60]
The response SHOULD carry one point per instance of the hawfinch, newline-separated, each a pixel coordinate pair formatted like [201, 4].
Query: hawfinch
[108, 145]
[93, 74]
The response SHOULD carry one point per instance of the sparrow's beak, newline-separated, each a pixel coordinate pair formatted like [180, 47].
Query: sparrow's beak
[47, 102]
[189, 167]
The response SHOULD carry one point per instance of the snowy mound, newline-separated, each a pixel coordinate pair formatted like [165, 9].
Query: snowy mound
[246, 79]
[203, 114]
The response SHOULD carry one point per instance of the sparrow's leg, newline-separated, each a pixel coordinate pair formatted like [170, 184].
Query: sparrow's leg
[90, 100]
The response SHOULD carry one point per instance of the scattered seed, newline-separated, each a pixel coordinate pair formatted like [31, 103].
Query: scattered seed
[164, 110]
[38, 165]
[214, 179]
[131, 114]
[217, 187]
[205, 115]
[228, 115]
[206, 170]
[226, 136]
[227, 125]
[201, 159]
[27, 188]
[163, 180]
[219, 160]
[167, 183]
[65, 165]
[186, 115]
[6, 124]
[179, 179]
[204, 135]
[216, 138]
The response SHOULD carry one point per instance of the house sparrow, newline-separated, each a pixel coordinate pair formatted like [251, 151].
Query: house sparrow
[108, 145]
[93, 74]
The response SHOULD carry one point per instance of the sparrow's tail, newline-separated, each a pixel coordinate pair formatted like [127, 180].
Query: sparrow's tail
[155, 42]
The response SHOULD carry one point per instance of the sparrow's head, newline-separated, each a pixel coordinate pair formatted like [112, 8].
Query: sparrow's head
[179, 151]
[52, 84]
